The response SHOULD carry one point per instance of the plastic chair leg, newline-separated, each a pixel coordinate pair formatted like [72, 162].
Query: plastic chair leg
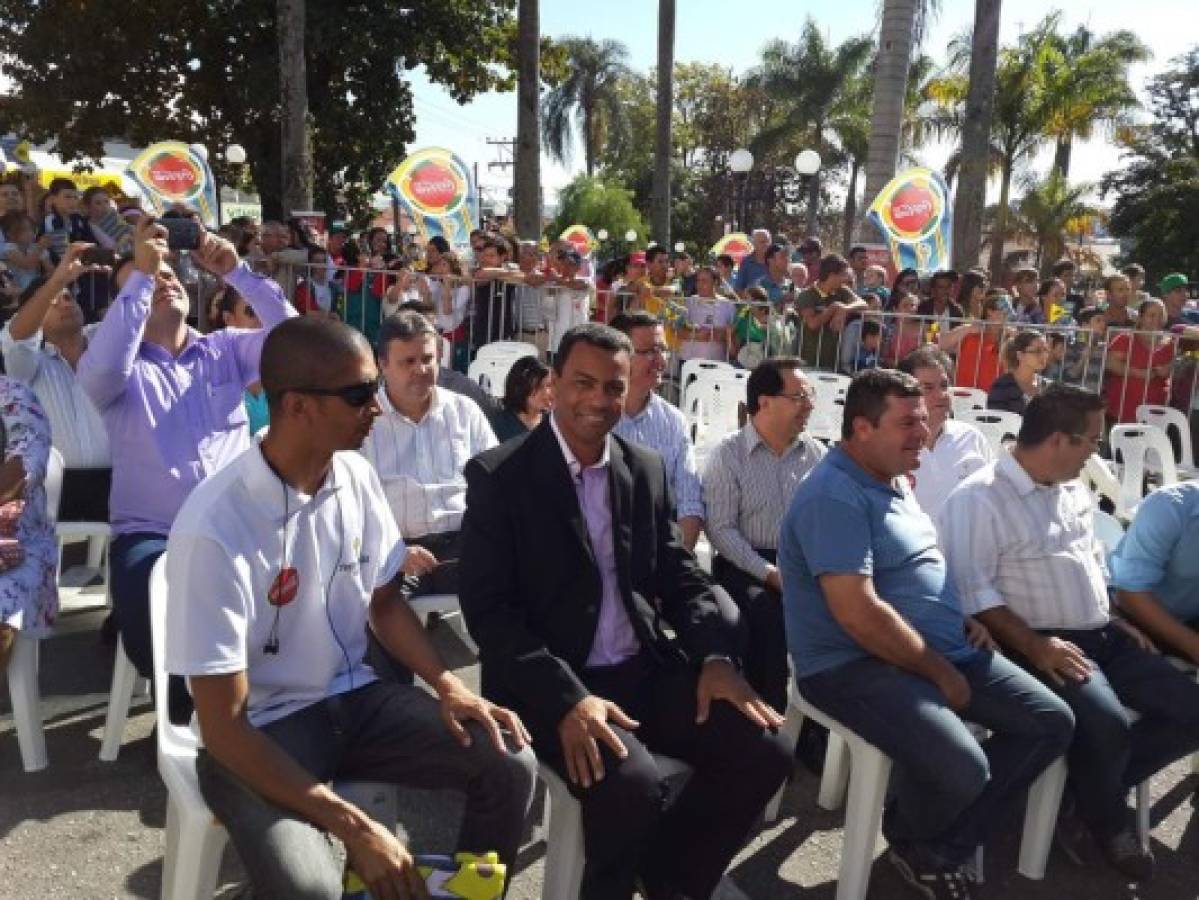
[791, 727]
[1144, 808]
[563, 876]
[124, 683]
[95, 551]
[836, 773]
[27, 703]
[193, 856]
[1040, 819]
[863, 817]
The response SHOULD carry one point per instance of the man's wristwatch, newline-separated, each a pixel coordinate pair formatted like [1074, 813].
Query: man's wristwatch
[719, 657]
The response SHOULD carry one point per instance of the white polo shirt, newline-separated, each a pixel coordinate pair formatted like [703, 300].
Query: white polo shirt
[234, 534]
[959, 452]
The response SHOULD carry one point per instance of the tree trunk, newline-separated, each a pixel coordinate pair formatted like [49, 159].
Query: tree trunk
[293, 91]
[527, 188]
[896, 37]
[851, 205]
[1061, 156]
[971, 198]
[999, 236]
[665, 111]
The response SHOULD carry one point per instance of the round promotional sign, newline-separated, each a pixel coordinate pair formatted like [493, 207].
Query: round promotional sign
[579, 237]
[173, 175]
[736, 245]
[433, 182]
[913, 209]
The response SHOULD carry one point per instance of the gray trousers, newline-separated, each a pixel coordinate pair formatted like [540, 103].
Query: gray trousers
[380, 732]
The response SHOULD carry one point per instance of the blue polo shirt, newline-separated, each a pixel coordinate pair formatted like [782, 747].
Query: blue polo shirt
[844, 521]
[748, 273]
[1160, 552]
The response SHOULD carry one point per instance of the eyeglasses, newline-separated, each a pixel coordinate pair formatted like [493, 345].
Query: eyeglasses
[657, 350]
[355, 395]
[801, 397]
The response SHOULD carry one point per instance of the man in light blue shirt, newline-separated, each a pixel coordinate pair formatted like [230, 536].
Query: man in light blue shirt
[1155, 570]
[878, 642]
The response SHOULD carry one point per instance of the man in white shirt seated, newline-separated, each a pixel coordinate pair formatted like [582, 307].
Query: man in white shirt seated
[42, 344]
[421, 444]
[1021, 549]
[749, 481]
[953, 450]
[277, 566]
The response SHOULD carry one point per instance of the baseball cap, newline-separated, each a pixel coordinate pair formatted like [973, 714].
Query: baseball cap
[1172, 281]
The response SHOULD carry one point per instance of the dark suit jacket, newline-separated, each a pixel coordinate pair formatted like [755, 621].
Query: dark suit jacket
[529, 586]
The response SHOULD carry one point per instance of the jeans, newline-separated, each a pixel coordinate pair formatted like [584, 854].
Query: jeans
[380, 732]
[1110, 754]
[947, 789]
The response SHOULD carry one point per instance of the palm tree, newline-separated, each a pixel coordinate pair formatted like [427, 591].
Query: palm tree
[1086, 82]
[587, 97]
[809, 81]
[1047, 208]
[665, 114]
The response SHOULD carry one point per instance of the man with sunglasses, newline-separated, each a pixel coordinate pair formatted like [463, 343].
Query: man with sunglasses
[171, 399]
[278, 566]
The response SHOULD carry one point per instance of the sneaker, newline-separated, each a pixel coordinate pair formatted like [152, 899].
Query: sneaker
[932, 884]
[1126, 855]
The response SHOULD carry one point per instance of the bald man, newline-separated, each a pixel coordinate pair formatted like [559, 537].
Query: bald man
[278, 564]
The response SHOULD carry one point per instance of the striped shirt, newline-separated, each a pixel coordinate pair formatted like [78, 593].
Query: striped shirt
[748, 489]
[1012, 542]
[661, 427]
[420, 463]
[76, 429]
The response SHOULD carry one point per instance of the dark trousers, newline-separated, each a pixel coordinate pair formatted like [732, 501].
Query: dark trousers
[947, 789]
[627, 831]
[85, 495]
[382, 733]
[1110, 754]
[765, 656]
[131, 559]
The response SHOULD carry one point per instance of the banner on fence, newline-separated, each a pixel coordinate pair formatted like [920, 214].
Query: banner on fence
[436, 190]
[737, 245]
[169, 173]
[914, 215]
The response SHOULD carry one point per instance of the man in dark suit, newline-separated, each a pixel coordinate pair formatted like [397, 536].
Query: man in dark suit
[571, 564]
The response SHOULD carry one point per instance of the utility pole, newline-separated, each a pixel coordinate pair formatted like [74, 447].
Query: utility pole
[526, 194]
[293, 87]
[665, 112]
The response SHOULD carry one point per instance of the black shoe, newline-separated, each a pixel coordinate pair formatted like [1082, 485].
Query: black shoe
[1126, 855]
[932, 884]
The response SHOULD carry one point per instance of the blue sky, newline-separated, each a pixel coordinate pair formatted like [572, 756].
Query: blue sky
[705, 31]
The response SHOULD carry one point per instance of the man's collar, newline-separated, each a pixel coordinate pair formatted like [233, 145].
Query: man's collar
[1010, 468]
[277, 498]
[572, 461]
[850, 466]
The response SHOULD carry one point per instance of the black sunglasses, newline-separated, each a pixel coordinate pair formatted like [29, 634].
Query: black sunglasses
[356, 395]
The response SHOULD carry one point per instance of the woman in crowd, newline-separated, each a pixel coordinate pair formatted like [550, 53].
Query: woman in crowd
[1026, 355]
[972, 293]
[28, 548]
[976, 344]
[314, 294]
[707, 329]
[906, 331]
[1138, 364]
[449, 293]
[907, 283]
[528, 396]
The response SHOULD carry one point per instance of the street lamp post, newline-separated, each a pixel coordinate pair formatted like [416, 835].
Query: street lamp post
[807, 164]
[601, 238]
[235, 155]
[740, 162]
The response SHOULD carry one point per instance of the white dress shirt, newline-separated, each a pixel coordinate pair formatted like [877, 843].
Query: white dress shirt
[1012, 542]
[960, 451]
[421, 463]
[76, 429]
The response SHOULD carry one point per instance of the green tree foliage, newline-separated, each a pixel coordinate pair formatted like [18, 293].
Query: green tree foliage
[588, 97]
[1047, 208]
[207, 71]
[589, 201]
[1156, 209]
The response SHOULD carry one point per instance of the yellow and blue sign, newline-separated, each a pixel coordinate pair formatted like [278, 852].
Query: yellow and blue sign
[435, 188]
[914, 215]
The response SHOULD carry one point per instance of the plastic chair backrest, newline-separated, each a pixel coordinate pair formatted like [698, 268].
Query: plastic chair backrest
[1134, 443]
[714, 404]
[168, 734]
[53, 485]
[506, 350]
[691, 370]
[1167, 418]
[964, 399]
[1103, 482]
[997, 425]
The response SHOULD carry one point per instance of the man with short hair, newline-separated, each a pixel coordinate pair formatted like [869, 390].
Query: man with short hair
[753, 265]
[1175, 292]
[1135, 273]
[683, 268]
[1066, 271]
[879, 643]
[1023, 557]
[571, 566]
[420, 445]
[749, 481]
[823, 307]
[859, 261]
[278, 567]
[494, 316]
[953, 450]
[811, 252]
[777, 284]
[1028, 305]
[940, 304]
[1117, 310]
[652, 422]
[171, 399]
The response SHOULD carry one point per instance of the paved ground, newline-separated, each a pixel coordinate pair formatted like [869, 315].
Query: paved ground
[85, 829]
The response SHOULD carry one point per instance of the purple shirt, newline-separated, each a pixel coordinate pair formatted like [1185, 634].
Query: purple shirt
[615, 641]
[172, 421]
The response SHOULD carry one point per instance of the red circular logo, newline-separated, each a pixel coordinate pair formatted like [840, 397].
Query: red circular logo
[434, 185]
[284, 587]
[912, 208]
[172, 175]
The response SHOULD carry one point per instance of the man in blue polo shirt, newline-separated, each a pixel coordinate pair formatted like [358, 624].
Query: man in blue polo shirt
[1155, 570]
[878, 641]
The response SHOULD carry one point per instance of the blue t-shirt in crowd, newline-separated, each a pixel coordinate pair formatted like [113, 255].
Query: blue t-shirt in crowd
[844, 521]
[748, 273]
[1160, 552]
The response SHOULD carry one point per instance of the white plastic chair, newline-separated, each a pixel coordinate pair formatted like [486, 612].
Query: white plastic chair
[564, 856]
[492, 372]
[713, 404]
[964, 399]
[125, 683]
[998, 426]
[1097, 473]
[828, 407]
[1135, 444]
[1108, 531]
[506, 350]
[194, 839]
[1167, 418]
[691, 370]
